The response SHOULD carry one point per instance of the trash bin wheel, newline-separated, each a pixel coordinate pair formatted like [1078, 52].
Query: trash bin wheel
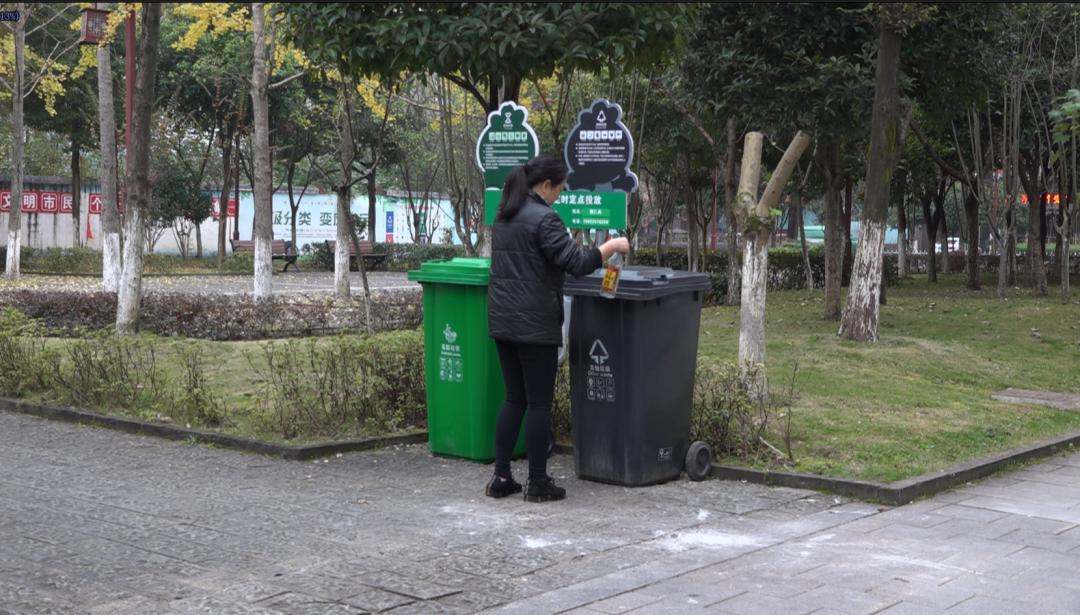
[698, 461]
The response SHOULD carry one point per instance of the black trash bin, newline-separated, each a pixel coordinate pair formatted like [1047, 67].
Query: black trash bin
[632, 364]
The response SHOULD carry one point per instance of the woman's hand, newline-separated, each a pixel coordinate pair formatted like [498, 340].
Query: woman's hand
[611, 246]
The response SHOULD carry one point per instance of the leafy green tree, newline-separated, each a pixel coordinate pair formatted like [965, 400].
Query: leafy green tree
[761, 65]
[177, 202]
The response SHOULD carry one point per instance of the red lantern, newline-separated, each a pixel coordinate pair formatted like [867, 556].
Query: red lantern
[93, 26]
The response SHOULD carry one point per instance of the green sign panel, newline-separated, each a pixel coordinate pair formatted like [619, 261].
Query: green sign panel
[506, 142]
[578, 208]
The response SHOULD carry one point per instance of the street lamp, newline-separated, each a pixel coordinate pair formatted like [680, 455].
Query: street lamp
[93, 26]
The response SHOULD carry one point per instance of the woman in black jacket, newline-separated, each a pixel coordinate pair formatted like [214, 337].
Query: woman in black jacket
[531, 252]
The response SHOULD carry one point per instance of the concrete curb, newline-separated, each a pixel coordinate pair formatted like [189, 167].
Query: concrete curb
[892, 494]
[170, 432]
[902, 491]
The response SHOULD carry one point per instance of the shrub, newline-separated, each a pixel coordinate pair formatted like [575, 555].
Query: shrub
[724, 414]
[24, 254]
[27, 365]
[787, 270]
[219, 317]
[343, 385]
[399, 256]
[195, 401]
[407, 256]
[103, 369]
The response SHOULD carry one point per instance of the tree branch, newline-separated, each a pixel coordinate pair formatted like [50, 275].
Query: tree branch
[50, 20]
[274, 86]
[469, 87]
[682, 109]
[944, 166]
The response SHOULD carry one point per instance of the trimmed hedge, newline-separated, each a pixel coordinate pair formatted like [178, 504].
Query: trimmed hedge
[86, 261]
[219, 317]
[399, 256]
[787, 271]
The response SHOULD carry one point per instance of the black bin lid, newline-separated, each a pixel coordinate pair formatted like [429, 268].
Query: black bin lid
[639, 283]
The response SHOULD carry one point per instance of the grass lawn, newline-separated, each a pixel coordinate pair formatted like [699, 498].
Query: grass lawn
[919, 399]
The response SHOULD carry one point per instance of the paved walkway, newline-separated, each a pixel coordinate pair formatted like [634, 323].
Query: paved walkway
[94, 521]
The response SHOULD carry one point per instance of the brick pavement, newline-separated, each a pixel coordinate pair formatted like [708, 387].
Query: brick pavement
[94, 521]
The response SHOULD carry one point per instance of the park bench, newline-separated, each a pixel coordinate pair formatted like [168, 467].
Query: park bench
[367, 252]
[279, 250]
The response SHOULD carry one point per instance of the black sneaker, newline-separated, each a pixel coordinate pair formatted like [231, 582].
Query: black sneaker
[499, 487]
[543, 490]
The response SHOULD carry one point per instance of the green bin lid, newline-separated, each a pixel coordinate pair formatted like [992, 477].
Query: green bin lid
[459, 270]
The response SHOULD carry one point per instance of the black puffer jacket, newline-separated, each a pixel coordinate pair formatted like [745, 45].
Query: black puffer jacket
[530, 255]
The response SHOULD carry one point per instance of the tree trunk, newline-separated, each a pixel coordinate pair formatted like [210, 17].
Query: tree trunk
[111, 262]
[971, 211]
[263, 185]
[341, 246]
[756, 258]
[732, 236]
[901, 226]
[754, 271]
[930, 223]
[14, 243]
[371, 202]
[1003, 258]
[1010, 246]
[347, 153]
[293, 205]
[834, 248]
[76, 190]
[848, 207]
[223, 204]
[860, 318]
[236, 191]
[130, 294]
[943, 224]
[1034, 260]
[802, 242]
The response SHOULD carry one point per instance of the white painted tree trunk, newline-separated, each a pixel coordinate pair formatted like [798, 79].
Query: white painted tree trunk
[111, 263]
[341, 251]
[129, 294]
[263, 173]
[860, 320]
[14, 244]
[752, 304]
[752, 312]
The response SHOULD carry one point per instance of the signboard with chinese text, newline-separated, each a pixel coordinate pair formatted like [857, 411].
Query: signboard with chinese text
[505, 143]
[50, 203]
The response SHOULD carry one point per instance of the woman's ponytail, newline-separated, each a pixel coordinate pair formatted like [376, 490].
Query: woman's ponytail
[514, 192]
[522, 179]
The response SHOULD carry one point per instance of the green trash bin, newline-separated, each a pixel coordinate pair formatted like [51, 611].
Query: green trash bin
[464, 380]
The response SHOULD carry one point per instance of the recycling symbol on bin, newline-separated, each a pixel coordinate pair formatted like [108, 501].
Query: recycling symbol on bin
[598, 353]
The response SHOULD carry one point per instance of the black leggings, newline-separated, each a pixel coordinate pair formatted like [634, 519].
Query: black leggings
[529, 373]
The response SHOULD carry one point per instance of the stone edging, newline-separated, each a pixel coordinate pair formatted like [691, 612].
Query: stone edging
[893, 494]
[171, 432]
[902, 491]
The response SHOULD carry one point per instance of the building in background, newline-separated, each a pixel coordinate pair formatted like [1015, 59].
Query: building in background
[48, 222]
